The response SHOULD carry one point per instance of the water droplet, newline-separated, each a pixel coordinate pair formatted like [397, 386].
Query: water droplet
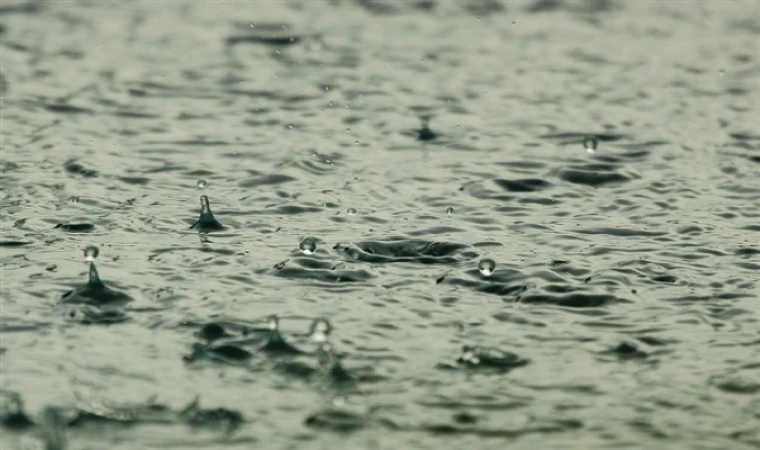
[327, 88]
[348, 130]
[356, 143]
[320, 330]
[351, 211]
[273, 323]
[590, 143]
[449, 210]
[486, 267]
[201, 184]
[90, 253]
[308, 246]
[205, 206]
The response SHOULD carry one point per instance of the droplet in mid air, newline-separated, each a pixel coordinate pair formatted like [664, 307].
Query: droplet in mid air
[90, 253]
[486, 267]
[201, 184]
[273, 323]
[308, 246]
[351, 211]
[320, 330]
[590, 143]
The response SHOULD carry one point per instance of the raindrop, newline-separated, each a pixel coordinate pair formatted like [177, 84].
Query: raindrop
[589, 143]
[201, 184]
[308, 246]
[348, 130]
[351, 211]
[486, 267]
[320, 330]
[356, 143]
[273, 323]
[449, 210]
[205, 206]
[90, 253]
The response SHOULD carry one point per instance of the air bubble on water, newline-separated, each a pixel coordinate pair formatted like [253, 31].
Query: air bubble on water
[356, 143]
[590, 143]
[320, 331]
[201, 184]
[90, 253]
[308, 246]
[486, 267]
[351, 211]
[273, 323]
[449, 210]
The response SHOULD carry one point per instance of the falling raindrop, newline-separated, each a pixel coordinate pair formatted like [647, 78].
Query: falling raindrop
[90, 253]
[486, 267]
[308, 246]
[590, 143]
[201, 184]
[320, 330]
[273, 323]
[449, 210]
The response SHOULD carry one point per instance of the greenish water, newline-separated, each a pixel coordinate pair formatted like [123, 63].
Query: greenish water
[529, 224]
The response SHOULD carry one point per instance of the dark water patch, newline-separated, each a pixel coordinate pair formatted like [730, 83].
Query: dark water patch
[336, 420]
[593, 177]
[332, 275]
[405, 250]
[620, 232]
[569, 138]
[137, 181]
[75, 227]
[64, 108]
[572, 300]
[265, 180]
[523, 185]
[15, 243]
[626, 351]
[75, 168]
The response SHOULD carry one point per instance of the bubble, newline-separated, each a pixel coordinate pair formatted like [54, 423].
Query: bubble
[308, 246]
[348, 130]
[201, 184]
[351, 211]
[90, 253]
[590, 143]
[486, 267]
[320, 330]
[449, 210]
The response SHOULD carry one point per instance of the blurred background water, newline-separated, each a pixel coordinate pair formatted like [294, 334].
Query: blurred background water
[529, 223]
